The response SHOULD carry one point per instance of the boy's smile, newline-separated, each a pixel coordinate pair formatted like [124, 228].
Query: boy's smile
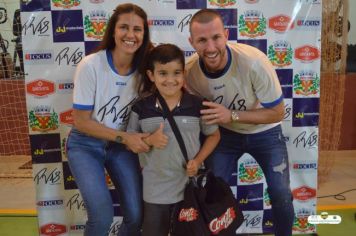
[168, 78]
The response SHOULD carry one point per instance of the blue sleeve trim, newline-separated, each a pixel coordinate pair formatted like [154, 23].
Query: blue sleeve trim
[274, 103]
[83, 107]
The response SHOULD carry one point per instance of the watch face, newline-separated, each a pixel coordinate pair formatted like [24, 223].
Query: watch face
[234, 116]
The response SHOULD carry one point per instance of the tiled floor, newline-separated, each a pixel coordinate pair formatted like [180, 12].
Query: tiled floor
[17, 190]
[342, 177]
[16, 186]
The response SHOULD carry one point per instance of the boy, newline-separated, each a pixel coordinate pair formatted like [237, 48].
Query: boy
[164, 176]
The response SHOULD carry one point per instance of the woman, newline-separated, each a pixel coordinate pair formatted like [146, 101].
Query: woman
[104, 89]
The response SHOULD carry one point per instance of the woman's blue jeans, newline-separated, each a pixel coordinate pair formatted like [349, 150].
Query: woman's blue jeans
[269, 150]
[87, 158]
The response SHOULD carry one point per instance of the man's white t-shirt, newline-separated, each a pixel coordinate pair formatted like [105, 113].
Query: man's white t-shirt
[247, 82]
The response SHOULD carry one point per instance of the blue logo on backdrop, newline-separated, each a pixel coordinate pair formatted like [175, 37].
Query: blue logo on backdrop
[162, 23]
[305, 112]
[308, 24]
[69, 181]
[188, 53]
[230, 21]
[191, 4]
[267, 223]
[250, 197]
[285, 77]
[67, 26]
[90, 46]
[35, 5]
[257, 43]
[45, 148]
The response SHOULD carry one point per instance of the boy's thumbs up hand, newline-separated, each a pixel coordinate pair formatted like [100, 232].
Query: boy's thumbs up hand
[160, 129]
[158, 139]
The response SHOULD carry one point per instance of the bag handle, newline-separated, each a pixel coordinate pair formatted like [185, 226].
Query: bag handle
[168, 114]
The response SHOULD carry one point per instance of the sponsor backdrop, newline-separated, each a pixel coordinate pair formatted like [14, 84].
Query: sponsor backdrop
[57, 34]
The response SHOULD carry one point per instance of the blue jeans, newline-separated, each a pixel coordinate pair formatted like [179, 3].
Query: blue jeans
[270, 151]
[87, 158]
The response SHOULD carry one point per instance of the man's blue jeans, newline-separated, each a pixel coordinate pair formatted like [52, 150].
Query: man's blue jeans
[87, 158]
[269, 150]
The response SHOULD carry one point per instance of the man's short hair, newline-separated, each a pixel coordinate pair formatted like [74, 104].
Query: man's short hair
[204, 16]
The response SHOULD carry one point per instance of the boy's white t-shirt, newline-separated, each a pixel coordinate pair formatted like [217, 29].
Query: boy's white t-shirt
[99, 88]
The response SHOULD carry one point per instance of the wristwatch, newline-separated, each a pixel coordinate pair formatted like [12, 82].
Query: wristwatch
[234, 116]
[118, 139]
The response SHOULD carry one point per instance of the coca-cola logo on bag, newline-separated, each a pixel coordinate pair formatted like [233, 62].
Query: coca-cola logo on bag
[223, 222]
[188, 215]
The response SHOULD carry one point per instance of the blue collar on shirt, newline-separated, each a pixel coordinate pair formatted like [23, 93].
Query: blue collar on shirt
[215, 75]
[111, 63]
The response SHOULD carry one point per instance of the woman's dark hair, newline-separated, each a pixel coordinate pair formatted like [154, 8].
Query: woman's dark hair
[108, 41]
[163, 54]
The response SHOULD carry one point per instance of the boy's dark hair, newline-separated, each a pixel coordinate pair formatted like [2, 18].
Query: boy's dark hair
[163, 54]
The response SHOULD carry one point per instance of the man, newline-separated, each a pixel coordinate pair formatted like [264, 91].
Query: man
[248, 106]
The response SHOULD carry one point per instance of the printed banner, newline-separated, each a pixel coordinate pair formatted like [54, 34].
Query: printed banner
[57, 34]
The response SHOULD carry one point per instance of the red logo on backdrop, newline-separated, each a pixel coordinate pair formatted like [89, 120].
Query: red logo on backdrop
[40, 87]
[66, 117]
[280, 23]
[53, 229]
[188, 215]
[304, 193]
[223, 222]
[307, 53]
